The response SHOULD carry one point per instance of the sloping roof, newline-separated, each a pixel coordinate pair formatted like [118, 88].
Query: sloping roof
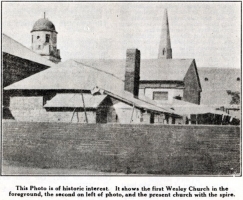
[114, 67]
[140, 103]
[164, 69]
[215, 82]
[186, 108]
[74, 100]
[12, 47]
[150, 69]
[69, 75]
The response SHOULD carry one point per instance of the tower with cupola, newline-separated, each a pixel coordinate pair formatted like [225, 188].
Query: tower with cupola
[44, 40]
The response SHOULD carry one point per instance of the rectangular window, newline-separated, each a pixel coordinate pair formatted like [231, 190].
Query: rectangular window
[160, 96]
[47, 37]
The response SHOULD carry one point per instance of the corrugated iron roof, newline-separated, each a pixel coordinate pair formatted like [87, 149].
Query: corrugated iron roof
[12, 47]
[74, 100]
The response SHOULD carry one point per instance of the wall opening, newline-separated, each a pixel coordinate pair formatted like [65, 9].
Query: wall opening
[47, 38]
[160, 95]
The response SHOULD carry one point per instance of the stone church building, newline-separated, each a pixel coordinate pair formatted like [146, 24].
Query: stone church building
[134, 90]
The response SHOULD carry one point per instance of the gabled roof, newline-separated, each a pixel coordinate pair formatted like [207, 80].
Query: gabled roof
[74, 100]
[150, 69]
[12, 47]
[215, 82]
[164, 69]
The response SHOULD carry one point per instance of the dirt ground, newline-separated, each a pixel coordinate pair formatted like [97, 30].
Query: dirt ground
[8, 169]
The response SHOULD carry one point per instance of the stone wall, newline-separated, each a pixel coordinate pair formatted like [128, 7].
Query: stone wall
[137, 149]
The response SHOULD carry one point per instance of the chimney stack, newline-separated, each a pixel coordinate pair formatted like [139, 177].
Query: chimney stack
[132, 71]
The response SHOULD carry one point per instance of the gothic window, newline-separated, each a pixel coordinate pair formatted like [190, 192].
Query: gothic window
[47, 37]
[160, 95]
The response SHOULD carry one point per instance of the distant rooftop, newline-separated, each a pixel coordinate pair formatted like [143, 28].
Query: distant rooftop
[215, 83]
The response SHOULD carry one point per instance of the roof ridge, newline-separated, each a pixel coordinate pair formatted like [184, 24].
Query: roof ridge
[97, 69]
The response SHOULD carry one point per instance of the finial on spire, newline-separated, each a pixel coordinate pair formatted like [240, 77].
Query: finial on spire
[165, 50]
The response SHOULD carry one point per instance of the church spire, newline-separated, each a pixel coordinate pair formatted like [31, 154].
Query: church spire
[165, 50]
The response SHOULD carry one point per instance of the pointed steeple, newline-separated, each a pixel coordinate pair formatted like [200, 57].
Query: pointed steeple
[165, 51]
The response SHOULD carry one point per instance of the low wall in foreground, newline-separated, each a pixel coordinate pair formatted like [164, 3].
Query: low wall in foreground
[136, 149]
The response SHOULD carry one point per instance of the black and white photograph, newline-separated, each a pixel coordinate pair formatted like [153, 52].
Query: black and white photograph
[134, 89]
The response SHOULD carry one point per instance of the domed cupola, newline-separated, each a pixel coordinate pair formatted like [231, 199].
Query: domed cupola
[44, 40]
[43, 25]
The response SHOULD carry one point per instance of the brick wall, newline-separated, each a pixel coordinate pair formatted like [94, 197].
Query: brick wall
[141, 149]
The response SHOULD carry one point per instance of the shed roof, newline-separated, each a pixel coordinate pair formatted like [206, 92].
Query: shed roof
[140, 103]
[74, 100]
[187, 108]
[12, 47]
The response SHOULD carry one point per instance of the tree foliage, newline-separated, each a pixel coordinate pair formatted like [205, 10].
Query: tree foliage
[235, 97]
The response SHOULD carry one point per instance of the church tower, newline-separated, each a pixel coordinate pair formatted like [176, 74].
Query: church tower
[44, 40]
[165, 51]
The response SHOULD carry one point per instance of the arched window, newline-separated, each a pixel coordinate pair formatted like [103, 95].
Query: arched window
[238, 79]
[206, 79]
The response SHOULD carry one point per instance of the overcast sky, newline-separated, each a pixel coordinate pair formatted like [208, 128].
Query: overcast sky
[209, 32]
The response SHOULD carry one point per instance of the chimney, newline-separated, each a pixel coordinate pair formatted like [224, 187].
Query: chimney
[132, 71]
